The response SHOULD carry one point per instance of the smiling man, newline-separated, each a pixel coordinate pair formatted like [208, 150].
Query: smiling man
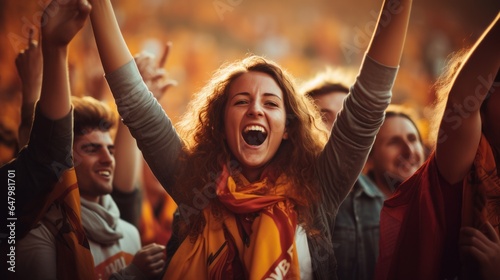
[398, 151]
[114, 243]
[93, 150]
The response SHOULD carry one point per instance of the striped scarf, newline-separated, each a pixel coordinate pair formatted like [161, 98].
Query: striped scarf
[74, 259]
[254, 238]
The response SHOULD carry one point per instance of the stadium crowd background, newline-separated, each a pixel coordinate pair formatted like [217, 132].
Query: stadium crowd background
[299, 35]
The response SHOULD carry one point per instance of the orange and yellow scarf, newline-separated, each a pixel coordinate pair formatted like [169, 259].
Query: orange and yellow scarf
[74, 259]
[254, 238]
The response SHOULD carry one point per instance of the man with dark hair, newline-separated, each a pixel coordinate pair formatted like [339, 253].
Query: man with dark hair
[114, 243]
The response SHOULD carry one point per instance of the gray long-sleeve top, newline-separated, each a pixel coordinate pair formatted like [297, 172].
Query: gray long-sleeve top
[338, 166]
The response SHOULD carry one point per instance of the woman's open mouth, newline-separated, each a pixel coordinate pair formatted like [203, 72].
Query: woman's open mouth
[254, 135]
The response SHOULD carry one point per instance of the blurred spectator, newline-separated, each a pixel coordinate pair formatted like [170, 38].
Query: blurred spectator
[356, 231]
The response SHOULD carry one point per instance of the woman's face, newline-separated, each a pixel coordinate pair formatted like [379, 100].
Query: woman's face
[254, 121]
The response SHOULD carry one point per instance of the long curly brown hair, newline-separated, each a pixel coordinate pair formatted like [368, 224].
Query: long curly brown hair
[202, 130]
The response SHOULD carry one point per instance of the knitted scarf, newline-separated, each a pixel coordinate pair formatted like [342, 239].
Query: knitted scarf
[100, 220]
[254, 238]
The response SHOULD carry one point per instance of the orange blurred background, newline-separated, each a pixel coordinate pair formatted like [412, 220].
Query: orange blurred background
[303, 36]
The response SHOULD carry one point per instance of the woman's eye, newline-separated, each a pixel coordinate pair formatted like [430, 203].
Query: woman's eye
[241, 102]
[273, 104]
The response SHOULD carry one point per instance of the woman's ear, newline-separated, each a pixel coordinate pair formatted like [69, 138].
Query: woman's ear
[285, 135]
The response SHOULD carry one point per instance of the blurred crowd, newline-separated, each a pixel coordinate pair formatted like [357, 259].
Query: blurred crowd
[298, 35]
[198, 37]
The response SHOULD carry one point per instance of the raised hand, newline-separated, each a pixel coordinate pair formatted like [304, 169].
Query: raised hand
[29, 69]
[484, 247]
[153, 73]
[63, 21]
[60, 23]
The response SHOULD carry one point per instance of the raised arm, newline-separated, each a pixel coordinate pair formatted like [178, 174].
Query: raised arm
[49, 149]
[29, 69]
[362, 115]
[460, 129]
[126, 182]
[141, 112]
[55, 98]
[110, 43]
[114, 53]
[127, 155]
[128, 161]
[388, 40]
[50, 142]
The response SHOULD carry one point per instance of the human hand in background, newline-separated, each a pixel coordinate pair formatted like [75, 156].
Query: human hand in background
[29, 68]
[484, 247]
[153, 73]
[63, 21]
[150, 259]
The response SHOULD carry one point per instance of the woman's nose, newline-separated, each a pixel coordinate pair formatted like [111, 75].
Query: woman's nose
[255, 109]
